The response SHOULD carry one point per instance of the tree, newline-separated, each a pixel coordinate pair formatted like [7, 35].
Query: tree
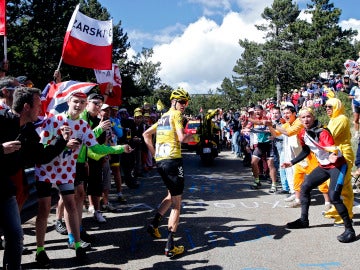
[269, 67]
[37, 55]
[294, 50]
[325, 46]
[145, 76]
[232, 96]
[249, 78]
[278, 50]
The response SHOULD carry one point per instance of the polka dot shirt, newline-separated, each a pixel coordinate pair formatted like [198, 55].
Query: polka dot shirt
[62, 169]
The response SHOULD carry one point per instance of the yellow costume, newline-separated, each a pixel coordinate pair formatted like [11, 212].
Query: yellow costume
[339, 126]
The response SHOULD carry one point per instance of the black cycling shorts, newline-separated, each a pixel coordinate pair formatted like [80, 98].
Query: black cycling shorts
[264, 150]
[43, 189]
[172, 173]
[356, 109]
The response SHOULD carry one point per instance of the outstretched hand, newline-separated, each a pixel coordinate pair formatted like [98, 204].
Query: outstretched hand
[11, 146]
[127, 148]
[333, 158]
[286, 165]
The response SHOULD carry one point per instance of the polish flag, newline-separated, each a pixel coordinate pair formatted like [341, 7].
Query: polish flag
[2, 18]
[104, 77]
[88, 42]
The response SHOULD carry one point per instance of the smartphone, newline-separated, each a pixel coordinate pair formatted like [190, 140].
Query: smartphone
[128, 133]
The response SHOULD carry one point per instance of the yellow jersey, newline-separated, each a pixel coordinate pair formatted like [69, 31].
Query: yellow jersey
[167, 144]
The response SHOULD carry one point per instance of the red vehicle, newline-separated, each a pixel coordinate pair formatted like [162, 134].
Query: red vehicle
[192, 127]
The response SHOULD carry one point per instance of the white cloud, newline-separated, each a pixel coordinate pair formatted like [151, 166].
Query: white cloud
[205, 53]
[199, 56]
[305, 16]
[351, 23]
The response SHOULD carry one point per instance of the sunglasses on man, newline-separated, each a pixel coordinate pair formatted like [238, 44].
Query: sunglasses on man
[183, 102]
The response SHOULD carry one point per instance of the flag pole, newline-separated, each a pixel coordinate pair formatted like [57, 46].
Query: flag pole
[58, 68]
[5, 48]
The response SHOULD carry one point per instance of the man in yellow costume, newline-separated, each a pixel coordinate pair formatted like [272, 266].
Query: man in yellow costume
[339, 126]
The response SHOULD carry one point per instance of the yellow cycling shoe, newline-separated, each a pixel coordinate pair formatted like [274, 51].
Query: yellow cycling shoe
[154, 232]
[175, 251]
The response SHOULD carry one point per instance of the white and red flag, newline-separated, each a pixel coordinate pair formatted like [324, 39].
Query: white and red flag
[2, 18]
[104, 77]
[88, 42]
[55, 95]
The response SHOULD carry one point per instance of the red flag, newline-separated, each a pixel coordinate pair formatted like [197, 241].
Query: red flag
[88, 42]
[54, 96]
[113, 76]
[2, 18]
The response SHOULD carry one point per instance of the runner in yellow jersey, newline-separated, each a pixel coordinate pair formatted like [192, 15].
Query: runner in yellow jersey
[170, 134]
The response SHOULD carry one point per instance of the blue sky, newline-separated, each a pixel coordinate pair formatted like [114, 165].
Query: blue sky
[197, 40]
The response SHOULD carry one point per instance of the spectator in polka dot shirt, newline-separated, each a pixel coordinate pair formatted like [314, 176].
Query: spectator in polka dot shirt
[62, 170]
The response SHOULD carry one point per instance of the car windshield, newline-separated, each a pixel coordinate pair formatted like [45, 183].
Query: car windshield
[193, 125]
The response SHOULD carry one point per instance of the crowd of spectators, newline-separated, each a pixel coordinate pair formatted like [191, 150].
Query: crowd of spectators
[234, 129]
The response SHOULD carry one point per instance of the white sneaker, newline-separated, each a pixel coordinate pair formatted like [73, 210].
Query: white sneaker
[83, 244]
[294, 204]
[91, 209]
[290, 198]
[99, 217]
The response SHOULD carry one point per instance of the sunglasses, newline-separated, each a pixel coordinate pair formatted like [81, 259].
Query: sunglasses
[328, 106]
[183, 102]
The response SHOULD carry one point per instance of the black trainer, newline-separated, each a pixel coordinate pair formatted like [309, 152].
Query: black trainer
[255, 185]
[298, 224]
[60, 227]
[42, 259]
[347, 236]
[286, 192]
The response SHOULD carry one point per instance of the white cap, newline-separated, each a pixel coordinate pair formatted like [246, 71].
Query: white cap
[105, 106]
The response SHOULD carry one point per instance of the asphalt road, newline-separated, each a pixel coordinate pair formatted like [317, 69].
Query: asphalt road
[223, 225]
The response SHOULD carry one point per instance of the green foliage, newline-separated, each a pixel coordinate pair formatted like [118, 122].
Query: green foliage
[294, 51]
